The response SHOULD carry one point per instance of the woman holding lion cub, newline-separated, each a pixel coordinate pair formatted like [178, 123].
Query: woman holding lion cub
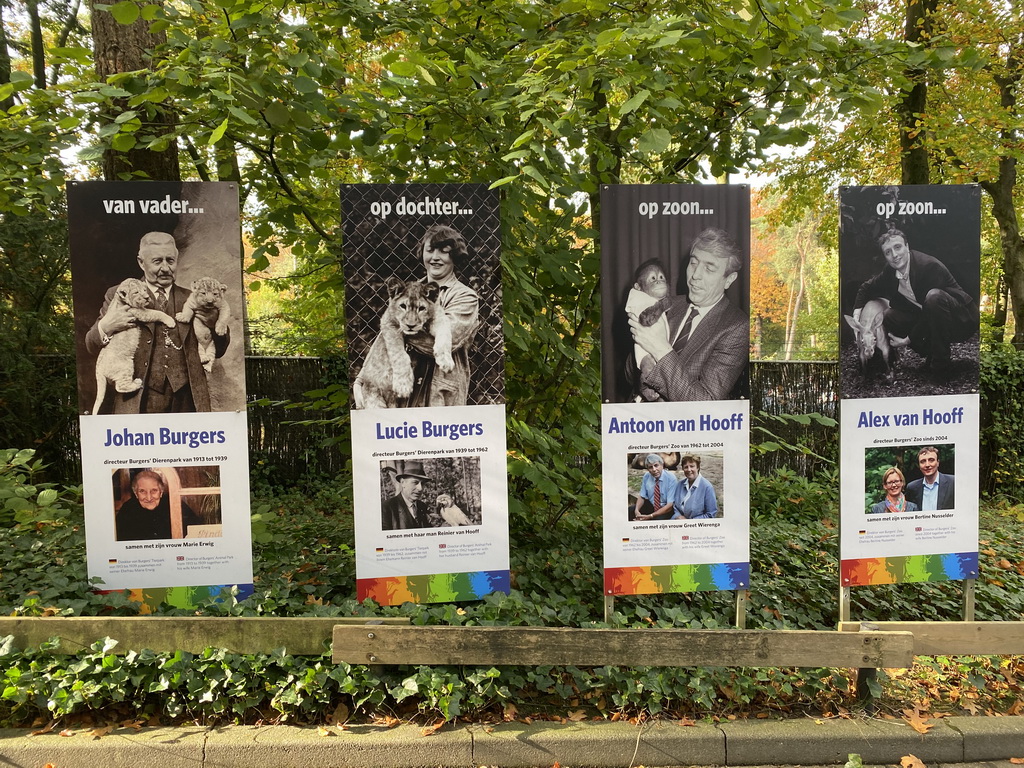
[443, 250]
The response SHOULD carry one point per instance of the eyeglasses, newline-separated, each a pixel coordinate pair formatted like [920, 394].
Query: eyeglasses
[894, 482]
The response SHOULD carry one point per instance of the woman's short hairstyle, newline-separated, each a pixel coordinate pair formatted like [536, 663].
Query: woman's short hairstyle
[443, 236]
[893, 471]
[152, 474]
[691, 459]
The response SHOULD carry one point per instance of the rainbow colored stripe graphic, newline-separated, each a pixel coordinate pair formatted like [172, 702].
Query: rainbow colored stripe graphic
[662, 579]
[908, 568]
[180, 597]
[432, 588]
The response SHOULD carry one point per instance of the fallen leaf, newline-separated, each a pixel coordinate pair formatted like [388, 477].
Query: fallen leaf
[97, 733]
[67, 732]
[687, 722]
[510, 711]
[616, 716]
[1016, 708]
[989, 552]
[911, 761]
[1017, 760]
[1004, 564]
[577, 714]
[918, 720]
[761, 715]
[49, 727]
[133, 724]
[430, 730]
[324, 731]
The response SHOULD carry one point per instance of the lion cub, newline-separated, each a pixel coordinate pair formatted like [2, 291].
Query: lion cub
[387, 374]
[207, 296]
[116, 361]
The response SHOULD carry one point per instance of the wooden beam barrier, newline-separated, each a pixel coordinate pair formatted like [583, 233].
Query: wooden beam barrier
[952, 638]
[532, 646]
[299, 636]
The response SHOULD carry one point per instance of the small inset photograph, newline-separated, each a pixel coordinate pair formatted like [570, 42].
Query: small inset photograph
[910, 478]
[165, 502]
[675, 485]
[430, 493]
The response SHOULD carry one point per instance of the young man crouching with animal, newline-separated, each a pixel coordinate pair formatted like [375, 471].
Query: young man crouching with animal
[924, 307]
[386, 377]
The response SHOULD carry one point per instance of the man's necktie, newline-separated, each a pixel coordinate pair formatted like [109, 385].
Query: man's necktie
[161, 300]
[657, 495]
[684, 332]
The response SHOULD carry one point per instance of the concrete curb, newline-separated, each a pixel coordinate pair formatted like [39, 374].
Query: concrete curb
[806, 742]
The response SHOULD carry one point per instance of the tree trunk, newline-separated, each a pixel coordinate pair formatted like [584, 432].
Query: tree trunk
[5, 61]
[36, 43]
[1002, 189]
[1001, 192]
[913, 143]
[119, 48]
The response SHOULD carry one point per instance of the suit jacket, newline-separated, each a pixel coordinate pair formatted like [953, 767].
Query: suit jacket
[150, 337]
[947, 492]
[708, 367]
[926, 273]
[395, 515]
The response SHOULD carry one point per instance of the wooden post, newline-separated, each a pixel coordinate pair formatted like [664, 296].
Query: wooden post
[609, 608]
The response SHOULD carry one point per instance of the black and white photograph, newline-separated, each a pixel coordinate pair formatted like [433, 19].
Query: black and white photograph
[909, 264]
[430, 493]
[157, 287]
[675, 485]
[423, 298]
[166, 502]
[675, 292]
[910, 478]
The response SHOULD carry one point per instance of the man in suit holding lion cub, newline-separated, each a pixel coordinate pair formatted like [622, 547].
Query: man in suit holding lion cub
[167, 360]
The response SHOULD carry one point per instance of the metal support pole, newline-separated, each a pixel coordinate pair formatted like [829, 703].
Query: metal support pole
[844, 604]
[969, 585]
[741, 609]
[609, 608]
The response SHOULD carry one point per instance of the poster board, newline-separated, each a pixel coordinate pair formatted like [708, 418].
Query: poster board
[675, 427]
[423, 312]
[909, 260]
[161, 387]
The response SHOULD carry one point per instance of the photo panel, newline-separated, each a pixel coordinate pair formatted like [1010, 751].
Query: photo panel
[667, 249]
[909, 267]
[128, 238]
[423, 295]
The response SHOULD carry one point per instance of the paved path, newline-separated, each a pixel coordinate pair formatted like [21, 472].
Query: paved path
[989, 741]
